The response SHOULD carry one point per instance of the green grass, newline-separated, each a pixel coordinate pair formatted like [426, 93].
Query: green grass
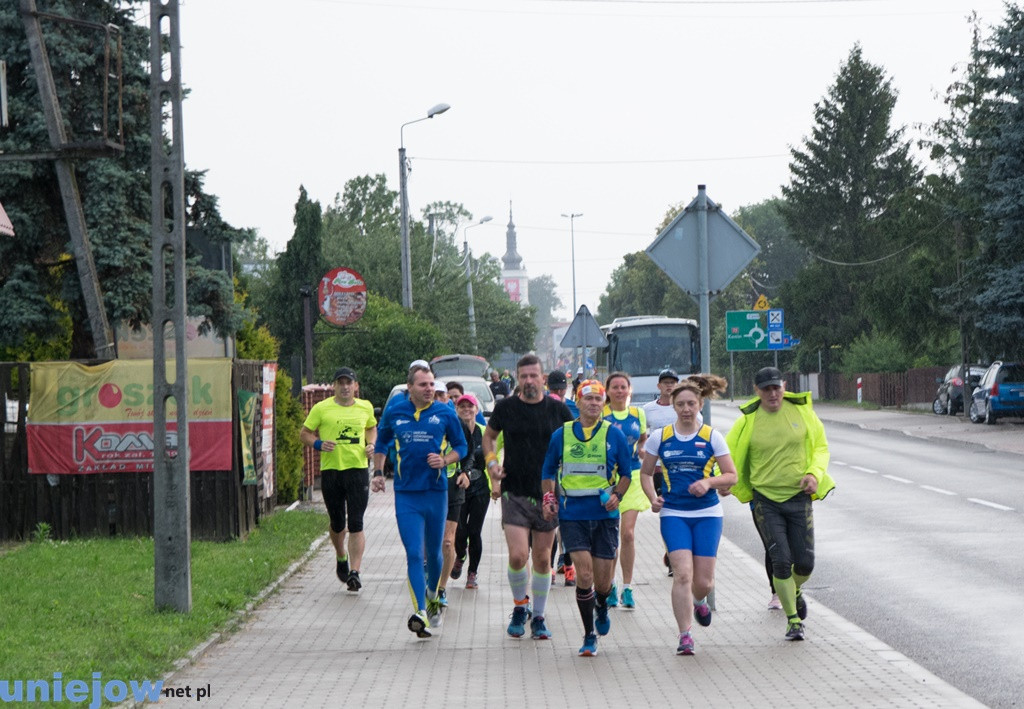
[86, 605]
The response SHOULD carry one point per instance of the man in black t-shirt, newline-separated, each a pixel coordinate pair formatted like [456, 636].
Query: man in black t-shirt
[527, 422]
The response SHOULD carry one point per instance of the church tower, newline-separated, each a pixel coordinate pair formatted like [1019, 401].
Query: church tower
[513, 275]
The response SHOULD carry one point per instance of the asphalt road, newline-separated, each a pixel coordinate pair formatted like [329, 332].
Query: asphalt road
[920, 545]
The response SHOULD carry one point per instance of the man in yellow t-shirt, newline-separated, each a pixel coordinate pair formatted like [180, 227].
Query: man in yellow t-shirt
[343, 429]
[781, 456]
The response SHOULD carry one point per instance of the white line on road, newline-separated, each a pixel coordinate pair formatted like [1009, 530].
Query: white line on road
[993, 505]
[938, 490]
[898, 479]
[838, 462]
[864, 470]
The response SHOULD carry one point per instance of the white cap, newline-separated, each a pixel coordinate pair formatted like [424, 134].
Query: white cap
[419, 363]
[439, 386]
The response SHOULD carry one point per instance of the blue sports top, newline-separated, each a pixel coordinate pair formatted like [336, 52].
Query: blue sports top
[417, 434]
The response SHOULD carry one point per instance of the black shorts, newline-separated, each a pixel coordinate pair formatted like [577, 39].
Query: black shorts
[456, 496]
[525, 512]
[346, 488]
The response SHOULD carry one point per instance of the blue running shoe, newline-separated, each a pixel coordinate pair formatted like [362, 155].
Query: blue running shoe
[613, 598]
[702, 613]
[589, 648]
[517, 625]
[602, 623]
[627, 599]
[442, 597]
[539, 631]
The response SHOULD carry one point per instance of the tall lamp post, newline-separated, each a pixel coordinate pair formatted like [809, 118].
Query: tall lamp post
[572, 242]
[469, 284]
[403, 191]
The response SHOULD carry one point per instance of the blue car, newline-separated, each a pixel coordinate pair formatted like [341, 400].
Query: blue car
[1000, 393]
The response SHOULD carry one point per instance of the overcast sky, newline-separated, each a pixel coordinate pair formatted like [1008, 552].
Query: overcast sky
[615, 110]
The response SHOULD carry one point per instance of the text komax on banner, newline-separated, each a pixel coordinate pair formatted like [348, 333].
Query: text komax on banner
[99, 419]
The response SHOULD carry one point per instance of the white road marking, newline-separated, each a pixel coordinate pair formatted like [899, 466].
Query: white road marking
[898, 479]
[993, 505]
[938, 490]
[864, 470]
[838, 462]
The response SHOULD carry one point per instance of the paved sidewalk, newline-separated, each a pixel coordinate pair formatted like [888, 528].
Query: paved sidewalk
[312, 644]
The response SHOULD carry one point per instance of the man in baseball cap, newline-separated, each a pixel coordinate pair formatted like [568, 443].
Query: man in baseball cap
[343, 431]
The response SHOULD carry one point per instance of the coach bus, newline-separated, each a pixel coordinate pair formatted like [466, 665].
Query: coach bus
[644, 345]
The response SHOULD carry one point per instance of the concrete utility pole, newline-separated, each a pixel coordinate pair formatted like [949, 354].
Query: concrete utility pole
[92, 296]
[172, 531]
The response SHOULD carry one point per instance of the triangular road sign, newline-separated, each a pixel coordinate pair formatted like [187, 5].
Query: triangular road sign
[5, 223]
[584, 331]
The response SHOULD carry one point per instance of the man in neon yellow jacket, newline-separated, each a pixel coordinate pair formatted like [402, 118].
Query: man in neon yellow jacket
[781, 456]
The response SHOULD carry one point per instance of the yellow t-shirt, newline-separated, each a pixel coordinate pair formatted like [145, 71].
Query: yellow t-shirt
[778, 458]
[346, 426]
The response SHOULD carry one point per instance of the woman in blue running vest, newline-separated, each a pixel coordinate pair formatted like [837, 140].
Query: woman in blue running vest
[696, 464]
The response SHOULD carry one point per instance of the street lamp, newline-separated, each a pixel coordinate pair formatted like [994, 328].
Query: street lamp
[469, 284]
[404, 199]
[572, 241]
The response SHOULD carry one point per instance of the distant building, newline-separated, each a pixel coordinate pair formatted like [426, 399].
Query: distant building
[513, 275]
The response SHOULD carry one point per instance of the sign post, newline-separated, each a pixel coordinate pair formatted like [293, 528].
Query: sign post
[702, 250]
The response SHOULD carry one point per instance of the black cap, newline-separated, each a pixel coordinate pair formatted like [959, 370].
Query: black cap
[668, 374]
[345, 372]
[557, 381]
[768, 377]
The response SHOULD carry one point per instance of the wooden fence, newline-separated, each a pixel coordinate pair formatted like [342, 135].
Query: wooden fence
[99, 504]
[915, 386]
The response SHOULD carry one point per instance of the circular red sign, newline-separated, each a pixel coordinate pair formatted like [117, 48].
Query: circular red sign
[342, 296]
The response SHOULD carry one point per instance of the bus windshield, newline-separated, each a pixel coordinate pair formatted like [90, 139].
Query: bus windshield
[645, 350]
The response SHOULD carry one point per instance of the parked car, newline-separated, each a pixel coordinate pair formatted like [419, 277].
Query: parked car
[477, 386]
[459, 365]
[949, 399]
[1000, 393]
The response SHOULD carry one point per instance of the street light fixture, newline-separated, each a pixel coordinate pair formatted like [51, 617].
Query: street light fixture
[469, 283]
[403, 191]
[572, 242]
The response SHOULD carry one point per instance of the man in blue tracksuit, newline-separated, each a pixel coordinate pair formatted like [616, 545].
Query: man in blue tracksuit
[428, 437]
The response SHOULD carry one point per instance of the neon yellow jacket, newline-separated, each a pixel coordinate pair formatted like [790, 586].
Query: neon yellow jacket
[816, 445]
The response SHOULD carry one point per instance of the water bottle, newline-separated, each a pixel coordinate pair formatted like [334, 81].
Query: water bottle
[604, 501]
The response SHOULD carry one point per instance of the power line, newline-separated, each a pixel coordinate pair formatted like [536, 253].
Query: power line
[662, 161]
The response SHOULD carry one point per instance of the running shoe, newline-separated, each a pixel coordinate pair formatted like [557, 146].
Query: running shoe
[471, 580]
[775, 604]
[420, 624]
[517, 625]
[442, 597]
[613, 598]
[354, 584]
[342, 571]
[801, 605]
[457, 568]
[561, 569]
[627, 599]
[434, 611]
[602, 623]
[685, 644]
[589, 648]
[795, 630]
[570, 575]
[539, 631]
[702, 613]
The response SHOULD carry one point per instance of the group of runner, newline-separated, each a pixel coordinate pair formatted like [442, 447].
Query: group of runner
[587, 474]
